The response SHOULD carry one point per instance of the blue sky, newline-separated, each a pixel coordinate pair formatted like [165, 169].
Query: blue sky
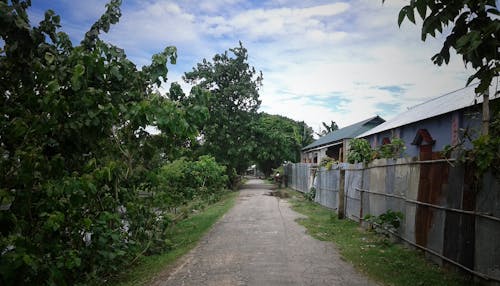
[322, 60]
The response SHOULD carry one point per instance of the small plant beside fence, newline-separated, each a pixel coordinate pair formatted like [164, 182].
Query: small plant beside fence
[386, 223]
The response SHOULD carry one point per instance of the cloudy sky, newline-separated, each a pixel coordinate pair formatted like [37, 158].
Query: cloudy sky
[322, 60]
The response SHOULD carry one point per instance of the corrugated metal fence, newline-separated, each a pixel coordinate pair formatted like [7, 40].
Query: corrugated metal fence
[327, 187]
[442, 212]
[299, 176]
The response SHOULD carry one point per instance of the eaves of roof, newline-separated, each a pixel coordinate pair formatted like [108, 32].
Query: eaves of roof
[347, 132]
[443, 104]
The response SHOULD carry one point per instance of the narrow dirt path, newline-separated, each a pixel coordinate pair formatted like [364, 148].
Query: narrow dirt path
[258, 243]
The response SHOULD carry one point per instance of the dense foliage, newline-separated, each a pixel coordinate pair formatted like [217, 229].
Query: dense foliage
[233, 85]
[279, 139]
[386, 223]
[485, 155]
[83, 184]
[394, 149]
[184, 180]
[360, 151]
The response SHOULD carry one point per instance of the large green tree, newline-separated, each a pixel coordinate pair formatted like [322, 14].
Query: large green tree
[234, 99]
[74, 151]
[278, 139]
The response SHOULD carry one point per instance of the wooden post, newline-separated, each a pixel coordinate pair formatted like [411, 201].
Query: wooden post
[360, 208]
[361, 196]
[486, 112]
[341, 206]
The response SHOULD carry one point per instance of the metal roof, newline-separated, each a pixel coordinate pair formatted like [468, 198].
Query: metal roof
[350, 131]
[449, 102]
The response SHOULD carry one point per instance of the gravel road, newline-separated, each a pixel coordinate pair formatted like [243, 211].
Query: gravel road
[259, 243]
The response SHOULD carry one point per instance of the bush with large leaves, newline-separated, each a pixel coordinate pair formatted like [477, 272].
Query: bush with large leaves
[184, 180]
[75, 156]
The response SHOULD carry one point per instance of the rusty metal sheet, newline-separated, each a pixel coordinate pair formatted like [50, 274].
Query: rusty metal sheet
[429, 224]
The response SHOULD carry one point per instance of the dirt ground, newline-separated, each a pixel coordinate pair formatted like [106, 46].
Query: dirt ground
[258, 242]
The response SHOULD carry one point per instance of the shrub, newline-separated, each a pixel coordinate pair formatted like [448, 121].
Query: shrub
[311, 195]
[385, 223]
[327, 162]
[359, 151]
[395, 149]
[183, 180]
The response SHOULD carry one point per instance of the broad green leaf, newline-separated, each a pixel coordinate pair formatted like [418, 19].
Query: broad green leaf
[49, 57]
[410, 14]
[79, 70]
[21, 23]
[76, 79]
[421, 8]
[116, 73]
[53, 86]
[402, 15]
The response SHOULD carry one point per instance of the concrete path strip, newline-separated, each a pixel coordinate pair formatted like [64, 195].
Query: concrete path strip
[259, 243]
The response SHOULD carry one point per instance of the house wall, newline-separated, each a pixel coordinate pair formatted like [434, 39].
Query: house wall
[444, 129]
[308, 157]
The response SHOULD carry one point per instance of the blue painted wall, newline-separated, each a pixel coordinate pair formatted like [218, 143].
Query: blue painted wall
[439, 127]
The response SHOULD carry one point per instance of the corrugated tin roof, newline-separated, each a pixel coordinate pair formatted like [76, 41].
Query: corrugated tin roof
[350, 131]
[449, 102]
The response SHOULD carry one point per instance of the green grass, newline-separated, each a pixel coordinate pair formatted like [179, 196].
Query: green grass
[372, 254]
[184, 236]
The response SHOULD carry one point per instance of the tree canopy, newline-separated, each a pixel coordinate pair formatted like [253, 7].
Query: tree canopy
[233, 102]
[75, 155]
[278, 139]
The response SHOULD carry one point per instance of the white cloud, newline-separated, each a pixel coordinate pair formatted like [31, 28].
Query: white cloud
[216, 5]
[321, 62]
[262, 23]
[374, 53]
[153, 26]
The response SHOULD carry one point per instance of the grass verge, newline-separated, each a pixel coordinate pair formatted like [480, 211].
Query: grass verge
[184, 236]
[370, 253]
